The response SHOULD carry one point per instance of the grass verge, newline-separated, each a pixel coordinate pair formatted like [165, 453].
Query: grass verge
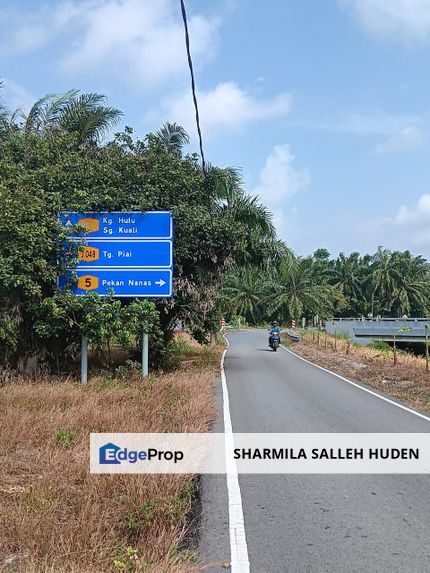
[54, 515]
[407, 380]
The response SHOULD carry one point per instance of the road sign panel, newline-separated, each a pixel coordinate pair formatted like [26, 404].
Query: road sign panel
[127, 283]
[122, 254]
[145, 225]
[125, 254]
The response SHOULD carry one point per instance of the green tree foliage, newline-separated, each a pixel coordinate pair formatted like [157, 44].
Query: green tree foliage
[60, 320]
[243, 294]
[386, 283]
[55, 161]
[293, 291]
[402, 283]
[86, 115]
[173, 136]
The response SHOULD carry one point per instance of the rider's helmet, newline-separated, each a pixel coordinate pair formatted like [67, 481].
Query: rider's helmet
[275, 323]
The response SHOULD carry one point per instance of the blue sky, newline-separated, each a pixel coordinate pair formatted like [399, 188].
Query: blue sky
[324, 104]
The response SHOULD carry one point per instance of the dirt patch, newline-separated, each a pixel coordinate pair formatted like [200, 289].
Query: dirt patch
[407, 380]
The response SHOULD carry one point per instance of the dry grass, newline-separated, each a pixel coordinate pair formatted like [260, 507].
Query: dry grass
[407, 380]
[54, 515]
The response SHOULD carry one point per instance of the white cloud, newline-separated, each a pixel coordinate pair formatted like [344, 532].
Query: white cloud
[24, 32]
[416, 217]
[279, 181]
[408, 137]
[140, 42]
[366, 122]
[396, 132]
[16, 96]
[225, 108]
[408, 228]
[404, 19]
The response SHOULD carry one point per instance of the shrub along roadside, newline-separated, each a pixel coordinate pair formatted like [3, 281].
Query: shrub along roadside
[60, 320]
[52, 169]
[55, 516]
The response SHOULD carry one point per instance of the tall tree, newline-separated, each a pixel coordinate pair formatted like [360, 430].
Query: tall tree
[292, 291]
[242, 294]
[4, 114]
[173, 136]
[225, 187]
[349, 276]
[87, 116]
[384, 275]
[412, 288]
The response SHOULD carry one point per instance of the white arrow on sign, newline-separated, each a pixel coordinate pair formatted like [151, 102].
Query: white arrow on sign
[160, 282]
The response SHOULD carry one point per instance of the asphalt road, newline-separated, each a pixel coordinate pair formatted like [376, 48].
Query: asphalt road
[313, 523]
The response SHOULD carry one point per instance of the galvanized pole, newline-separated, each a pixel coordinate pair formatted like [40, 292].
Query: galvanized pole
[84, 360]
[145, 353]
[426, 326]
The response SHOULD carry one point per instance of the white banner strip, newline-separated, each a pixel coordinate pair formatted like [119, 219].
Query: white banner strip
[261, 453]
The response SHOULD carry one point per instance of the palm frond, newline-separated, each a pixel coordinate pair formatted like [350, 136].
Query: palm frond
[173, 136]
[85, 114]
[224, 183]
[4, 114]
[89, 117]
[47, 111]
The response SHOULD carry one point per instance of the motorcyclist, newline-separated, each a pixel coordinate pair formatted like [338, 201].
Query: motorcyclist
[274, 329]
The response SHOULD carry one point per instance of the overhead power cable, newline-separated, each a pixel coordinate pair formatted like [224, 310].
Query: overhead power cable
[193, 83]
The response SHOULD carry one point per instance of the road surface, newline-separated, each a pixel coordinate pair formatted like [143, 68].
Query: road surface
[318, 523]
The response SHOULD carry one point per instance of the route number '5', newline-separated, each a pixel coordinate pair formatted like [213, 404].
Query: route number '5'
[88, 282]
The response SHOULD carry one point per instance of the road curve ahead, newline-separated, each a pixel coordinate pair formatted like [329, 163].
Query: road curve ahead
[318, 523]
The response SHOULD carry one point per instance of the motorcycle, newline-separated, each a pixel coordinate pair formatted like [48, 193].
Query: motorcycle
[274, 341]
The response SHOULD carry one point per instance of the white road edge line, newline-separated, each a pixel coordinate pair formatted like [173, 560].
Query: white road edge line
[358, 386]
[238, 547]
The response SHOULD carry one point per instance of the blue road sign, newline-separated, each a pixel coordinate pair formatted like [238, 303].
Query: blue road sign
[145, 225]
[117, 253]
[121, 254]
[127, 283]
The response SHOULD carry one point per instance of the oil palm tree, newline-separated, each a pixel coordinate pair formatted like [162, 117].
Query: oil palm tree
[412, 289]
[173, 136]
[4, 114]
[225, 187]
[292, 291]
[241, 293]
[349, 276]
[384, 276]
[85, 115]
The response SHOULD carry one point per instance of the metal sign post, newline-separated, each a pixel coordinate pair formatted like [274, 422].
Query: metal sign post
[145, 352]
[426, 327]
[84, 360]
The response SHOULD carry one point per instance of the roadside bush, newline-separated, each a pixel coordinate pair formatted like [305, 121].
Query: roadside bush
[381, 346]
[58, 322]
[54, 168]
